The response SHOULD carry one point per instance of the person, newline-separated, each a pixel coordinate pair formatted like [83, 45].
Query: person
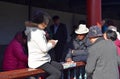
[15, 56]
[117, 41]
[106, 24]
[78, 49]
[102, 61]
[38, 46]
[112, 35]
[109, 34]
[59, 32]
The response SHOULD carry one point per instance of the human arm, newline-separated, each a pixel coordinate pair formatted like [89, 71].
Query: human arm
[68, 57]
[79, 48]
[79, 52]
[41, 42]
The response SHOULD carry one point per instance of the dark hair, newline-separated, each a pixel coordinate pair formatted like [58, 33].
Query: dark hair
[111, 35]
[40, 17]
[56, 17]
[23, 35]
[109, 22]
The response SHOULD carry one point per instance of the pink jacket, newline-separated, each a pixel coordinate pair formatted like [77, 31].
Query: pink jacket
[15, 57]
[117, 43]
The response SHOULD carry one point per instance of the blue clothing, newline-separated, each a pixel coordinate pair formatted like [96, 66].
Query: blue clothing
[104, 28]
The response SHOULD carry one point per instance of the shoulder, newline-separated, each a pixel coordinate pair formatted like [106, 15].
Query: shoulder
[37, 31]
[103, 44]
[97, 46]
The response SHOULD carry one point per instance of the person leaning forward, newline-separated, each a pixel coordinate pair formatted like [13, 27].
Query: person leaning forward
[103, 61]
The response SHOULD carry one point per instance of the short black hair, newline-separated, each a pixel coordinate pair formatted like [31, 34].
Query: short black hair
[111, 35]
[40, 17]
[56, 17]
[23, 35]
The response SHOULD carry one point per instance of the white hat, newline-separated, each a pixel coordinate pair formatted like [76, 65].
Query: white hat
[82, 29]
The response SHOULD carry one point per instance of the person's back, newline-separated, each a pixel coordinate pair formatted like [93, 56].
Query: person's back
[14, 56]
[102, 62]
[107, 66]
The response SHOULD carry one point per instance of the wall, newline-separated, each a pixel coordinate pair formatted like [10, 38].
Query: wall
[13, 16]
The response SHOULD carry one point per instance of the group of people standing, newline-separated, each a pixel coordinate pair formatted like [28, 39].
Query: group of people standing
[97, 50]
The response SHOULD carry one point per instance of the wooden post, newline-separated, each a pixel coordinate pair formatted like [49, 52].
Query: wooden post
[93, 12]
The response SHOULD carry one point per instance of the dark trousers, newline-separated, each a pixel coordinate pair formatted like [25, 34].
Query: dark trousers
[54, 69]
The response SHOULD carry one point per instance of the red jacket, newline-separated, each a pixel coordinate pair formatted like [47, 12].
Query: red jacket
[15, 57]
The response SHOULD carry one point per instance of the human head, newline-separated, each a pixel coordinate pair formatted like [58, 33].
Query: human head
[113, 28]
[81, 31]
[109, 34]
[94, 33]
[21, 37]
[56, 19]
[39, 19]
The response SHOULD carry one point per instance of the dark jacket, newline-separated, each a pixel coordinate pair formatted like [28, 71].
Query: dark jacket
[61, 33]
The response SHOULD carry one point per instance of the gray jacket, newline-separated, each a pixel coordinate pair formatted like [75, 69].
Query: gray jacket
[102, 62]
[80, 50]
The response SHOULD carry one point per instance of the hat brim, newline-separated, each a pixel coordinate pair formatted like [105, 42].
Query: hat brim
[84, 32]
[94, 36]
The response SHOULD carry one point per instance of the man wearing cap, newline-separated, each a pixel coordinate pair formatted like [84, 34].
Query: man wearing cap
[102, 63]
[77, 50]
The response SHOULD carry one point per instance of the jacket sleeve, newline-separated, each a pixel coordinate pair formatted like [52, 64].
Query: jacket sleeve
[80, 52]
[41, 41]
[19, 53]
[93, 56]
[79, 48]
[69, 54]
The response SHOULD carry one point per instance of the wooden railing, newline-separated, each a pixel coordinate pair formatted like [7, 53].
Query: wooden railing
[27, 72]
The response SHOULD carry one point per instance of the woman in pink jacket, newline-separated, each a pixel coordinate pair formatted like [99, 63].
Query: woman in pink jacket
[15, 56]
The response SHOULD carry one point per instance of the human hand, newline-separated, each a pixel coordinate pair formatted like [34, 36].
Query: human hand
[54, 42]
[69, 60]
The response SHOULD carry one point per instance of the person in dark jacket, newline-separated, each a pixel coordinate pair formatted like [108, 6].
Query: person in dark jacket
[102, 61]
[59, 32]
[77, 50]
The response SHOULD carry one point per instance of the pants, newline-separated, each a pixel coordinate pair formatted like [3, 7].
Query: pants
[54, 69]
